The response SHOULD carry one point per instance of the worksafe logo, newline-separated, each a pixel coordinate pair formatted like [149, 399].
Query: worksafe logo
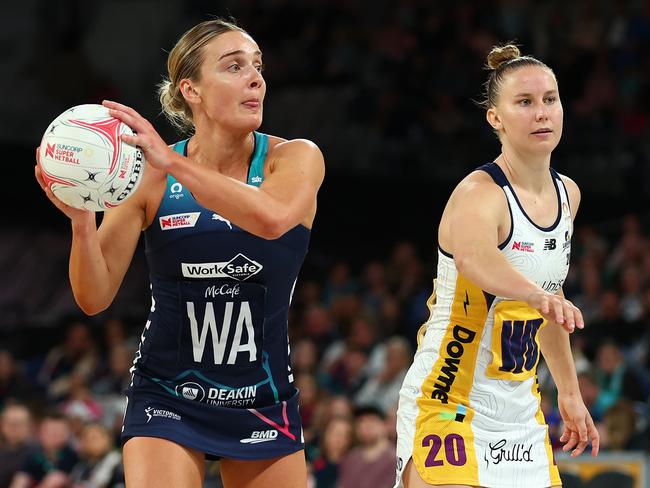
[239, 268]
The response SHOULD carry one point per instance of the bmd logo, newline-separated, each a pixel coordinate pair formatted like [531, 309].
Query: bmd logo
[260, 436]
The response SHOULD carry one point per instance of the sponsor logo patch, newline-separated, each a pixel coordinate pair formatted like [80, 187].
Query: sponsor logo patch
[523, 246]
[179, 221]
[239, 268]
[191, 391]
[152, 412]
[260, 436]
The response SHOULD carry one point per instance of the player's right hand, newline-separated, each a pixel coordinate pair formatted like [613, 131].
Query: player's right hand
[77, 215]
[558, 309]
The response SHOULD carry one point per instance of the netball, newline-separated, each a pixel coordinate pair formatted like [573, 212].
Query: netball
[85, 162]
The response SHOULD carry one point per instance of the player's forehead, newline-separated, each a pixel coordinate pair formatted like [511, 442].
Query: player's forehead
[529, 80]
[231, 43]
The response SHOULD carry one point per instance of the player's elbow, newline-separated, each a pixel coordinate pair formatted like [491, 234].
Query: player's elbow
[89, 303]
[464, 261]
[273, 226]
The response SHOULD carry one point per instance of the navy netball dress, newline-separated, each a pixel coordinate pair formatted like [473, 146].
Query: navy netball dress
[212, 371]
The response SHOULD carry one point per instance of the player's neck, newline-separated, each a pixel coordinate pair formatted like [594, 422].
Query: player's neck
[527, 171]
[224, 152]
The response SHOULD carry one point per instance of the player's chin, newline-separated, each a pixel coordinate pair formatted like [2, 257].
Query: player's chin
[250, 122]
[546, 145]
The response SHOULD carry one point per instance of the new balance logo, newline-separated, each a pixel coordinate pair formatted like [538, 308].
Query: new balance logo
[260, 436]
[549, 244]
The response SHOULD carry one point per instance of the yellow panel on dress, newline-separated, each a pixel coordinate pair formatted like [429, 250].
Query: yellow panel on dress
[443, 450]
[515, 345]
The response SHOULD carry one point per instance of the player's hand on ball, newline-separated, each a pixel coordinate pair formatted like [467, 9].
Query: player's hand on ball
[74, 214]
[579, 428]
[156, 151]
[556, 308]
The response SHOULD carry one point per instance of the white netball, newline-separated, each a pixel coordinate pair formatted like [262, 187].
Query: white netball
[85, 162]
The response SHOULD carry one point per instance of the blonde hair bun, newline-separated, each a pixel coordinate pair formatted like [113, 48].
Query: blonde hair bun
[502, 54]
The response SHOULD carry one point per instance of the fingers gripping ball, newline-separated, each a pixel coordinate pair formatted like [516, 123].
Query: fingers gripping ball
[85, 162]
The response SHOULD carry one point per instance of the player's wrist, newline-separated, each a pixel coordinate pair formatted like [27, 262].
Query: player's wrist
[84, 224]
[176, 164]
[568, 392]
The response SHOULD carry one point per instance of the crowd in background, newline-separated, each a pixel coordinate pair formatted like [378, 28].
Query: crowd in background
[392, 82]
[353, 334]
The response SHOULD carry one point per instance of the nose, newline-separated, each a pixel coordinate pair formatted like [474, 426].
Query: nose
[542, 113]
[256, 80]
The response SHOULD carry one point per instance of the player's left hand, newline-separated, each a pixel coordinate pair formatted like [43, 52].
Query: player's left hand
[156, 151]
[579, 428]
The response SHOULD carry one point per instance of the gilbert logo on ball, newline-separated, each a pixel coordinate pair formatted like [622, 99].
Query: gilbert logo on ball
[85, 162]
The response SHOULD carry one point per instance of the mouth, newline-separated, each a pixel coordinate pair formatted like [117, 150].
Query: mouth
[252, 103]
[543, 130]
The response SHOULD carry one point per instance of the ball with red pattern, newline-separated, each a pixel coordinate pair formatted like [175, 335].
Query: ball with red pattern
[85, 162]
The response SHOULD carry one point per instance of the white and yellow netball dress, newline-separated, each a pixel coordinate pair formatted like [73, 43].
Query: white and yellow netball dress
[469, 410]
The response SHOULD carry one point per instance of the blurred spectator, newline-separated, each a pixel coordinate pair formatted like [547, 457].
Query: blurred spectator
[100, 465]
[619, 424]
[375, 287]
[589, 244]
[629, 250]
[382, 389]
[631, 299]
[304, 357]
[372, 463]
[319, 326]
[80, 408]
[16, 443]
[609, 325]
[346, 374]
[615, 380]
[75, 357]
[13, 384]
[116, 334]
[590, 391]
[587, 299]
[391, 424]
[335, 444]
[309, 397]
[339, 284]
[361, 336]
[330, 407]
[53, 459]
[117, 378]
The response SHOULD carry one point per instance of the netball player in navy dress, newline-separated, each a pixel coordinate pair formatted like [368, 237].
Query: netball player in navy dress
[226, 216]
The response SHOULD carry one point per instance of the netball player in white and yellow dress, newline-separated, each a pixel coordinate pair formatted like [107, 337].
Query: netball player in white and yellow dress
[469, 411]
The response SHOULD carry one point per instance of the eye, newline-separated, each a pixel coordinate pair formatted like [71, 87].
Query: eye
[234, 68]
[259, 67]
[524, 101]
[551, 99]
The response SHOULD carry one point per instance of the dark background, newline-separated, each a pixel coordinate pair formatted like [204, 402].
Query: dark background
[387, 89]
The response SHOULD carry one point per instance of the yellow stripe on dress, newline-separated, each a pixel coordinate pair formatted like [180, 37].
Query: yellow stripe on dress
[553, 472]
[443, 450]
